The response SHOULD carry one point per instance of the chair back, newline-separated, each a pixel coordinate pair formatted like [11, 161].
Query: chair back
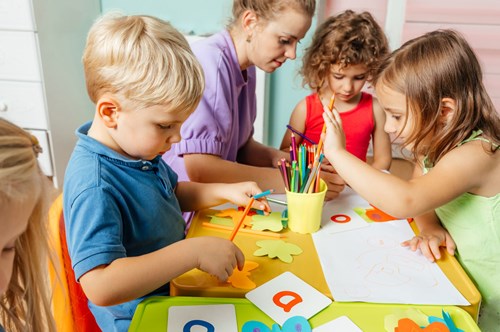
[69, 303]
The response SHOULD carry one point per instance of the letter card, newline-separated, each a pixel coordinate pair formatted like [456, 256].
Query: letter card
[286, 296]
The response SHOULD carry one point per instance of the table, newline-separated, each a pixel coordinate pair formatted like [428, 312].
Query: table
[152, 314]
[306, 266]
[198, 283]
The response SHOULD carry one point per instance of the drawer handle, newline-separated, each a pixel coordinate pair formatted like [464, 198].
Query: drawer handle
[3, 106]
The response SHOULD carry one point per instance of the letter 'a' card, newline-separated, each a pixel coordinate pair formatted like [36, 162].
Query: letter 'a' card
[286, 296]
[215, 317]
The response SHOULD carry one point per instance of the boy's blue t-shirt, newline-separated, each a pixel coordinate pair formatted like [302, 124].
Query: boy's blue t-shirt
[116, 207]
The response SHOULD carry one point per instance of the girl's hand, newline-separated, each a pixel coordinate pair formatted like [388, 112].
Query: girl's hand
[240, 193]
[217, 256]
[334, 138]
[429, 241]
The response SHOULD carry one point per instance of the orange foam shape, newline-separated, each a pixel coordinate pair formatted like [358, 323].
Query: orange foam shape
[407, 325]
[241, 279]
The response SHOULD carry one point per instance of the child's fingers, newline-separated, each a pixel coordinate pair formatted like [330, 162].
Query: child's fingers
[336, 116]
[434, 248]
[415, 243]
[240, 259]
[427, 252]
[405, 243]
[263, 205]
[412, 243]
[450, 244]
[328, 118]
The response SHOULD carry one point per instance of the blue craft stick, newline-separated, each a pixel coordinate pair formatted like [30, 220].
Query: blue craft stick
[264, 193]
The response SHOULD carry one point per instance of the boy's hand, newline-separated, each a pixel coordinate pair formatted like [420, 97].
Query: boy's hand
[240, 193]
[429, 241]
[218, 256]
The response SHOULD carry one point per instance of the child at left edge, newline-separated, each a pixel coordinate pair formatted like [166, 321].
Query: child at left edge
[122, 202]
[342, 57]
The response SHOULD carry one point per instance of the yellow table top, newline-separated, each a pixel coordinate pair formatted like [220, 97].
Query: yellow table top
[306, 266]
[198, 283]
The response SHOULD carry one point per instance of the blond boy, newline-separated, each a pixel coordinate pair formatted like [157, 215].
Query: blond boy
[122, 203]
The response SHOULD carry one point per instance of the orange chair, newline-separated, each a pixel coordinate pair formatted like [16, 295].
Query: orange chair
[69, 303]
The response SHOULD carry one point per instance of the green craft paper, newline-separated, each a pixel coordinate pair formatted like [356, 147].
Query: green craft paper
[277, 248]
[270, 222]
[221, 221]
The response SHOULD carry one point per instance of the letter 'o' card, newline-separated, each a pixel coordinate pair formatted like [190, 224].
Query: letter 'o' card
[286, 296]
[214, 317]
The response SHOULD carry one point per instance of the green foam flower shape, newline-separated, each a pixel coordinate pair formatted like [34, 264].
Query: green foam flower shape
[270, 222]
[277, 248]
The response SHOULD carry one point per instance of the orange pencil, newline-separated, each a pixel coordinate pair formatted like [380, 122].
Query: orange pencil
[238, 225]
[243, 230]
[332, 102]
[330, 107]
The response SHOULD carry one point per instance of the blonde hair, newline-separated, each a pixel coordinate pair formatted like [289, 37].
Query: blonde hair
[437, 65]
[143, 59]
[268, 10]
[346, 39]
[25, 306]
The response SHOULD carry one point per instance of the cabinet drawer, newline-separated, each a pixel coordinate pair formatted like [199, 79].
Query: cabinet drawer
[23, 104]
[16, 15]
[19, 56]
[44, 158]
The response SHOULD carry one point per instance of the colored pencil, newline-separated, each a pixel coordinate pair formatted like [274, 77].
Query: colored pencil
[243, 230]
[238, 225]
[294, 148]
[305, 178]
[282, 170]
[312, 174]
[264, 193]
[273, 200]
[300, 134]
[330, 107]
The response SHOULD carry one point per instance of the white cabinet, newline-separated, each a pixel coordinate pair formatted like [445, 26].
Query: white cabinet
[42, 87]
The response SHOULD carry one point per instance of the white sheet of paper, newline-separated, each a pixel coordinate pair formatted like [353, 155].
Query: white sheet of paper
[370, 265]
[341, 324]
[306, 301]
[222, 317]
[343, 204]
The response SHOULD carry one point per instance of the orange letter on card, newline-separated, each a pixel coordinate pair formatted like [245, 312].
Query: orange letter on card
[296, 299]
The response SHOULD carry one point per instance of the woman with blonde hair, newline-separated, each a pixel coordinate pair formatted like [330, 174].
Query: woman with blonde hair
[24, 201]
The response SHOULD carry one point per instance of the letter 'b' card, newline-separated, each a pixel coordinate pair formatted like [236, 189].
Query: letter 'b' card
[286, 296]
[210, 318]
